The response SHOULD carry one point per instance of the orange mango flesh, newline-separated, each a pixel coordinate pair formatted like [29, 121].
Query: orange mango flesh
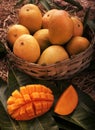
[67, 102]
[29, 102]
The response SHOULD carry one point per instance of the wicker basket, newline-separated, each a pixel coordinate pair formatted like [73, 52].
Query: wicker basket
[60, 70]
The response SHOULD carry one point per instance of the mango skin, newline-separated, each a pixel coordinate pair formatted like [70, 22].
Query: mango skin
[60, 27]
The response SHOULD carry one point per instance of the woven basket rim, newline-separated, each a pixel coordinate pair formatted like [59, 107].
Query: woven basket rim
[60, 70]
[50, 65]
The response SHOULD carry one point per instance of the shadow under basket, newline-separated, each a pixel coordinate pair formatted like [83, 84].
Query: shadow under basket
[61, 70]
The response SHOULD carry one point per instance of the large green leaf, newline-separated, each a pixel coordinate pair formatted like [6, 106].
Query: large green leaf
[83, 117]
[6, 123]
[15, 80]
[2, 50]
[75, 3]
[85, 112]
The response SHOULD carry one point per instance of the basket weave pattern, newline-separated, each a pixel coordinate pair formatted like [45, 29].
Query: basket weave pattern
[60, 70]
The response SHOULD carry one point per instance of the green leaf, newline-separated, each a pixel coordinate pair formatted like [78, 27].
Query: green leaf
[6, 123]
[45, 4]
[19, 2]
[33, 1]
[46, 122]
[86, 18]
[3, 51]
[85, 112]
[91, 24]
[67, 124]
[84, 115]
[75, 3]
[82, 118]
[49, 4]
[16, 79]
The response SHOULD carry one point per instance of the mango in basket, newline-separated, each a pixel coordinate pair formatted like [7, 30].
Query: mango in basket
[30, 16]
[60, 27]
[14, 31]
[42, 36]
[78, 26]
[46, 17]
[77, 45]
[29, 102]
[53, 54]
[27, 48]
